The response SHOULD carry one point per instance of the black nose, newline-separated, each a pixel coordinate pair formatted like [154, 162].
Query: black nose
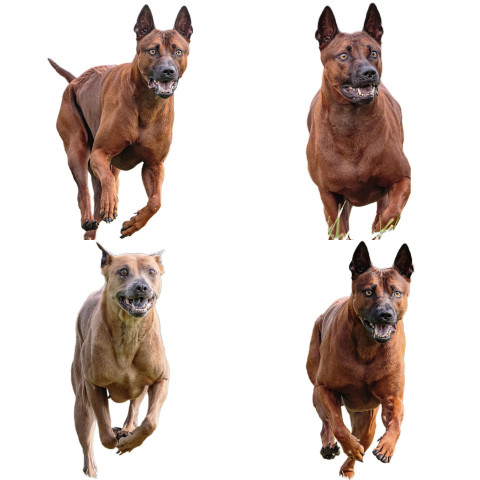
[368, 74]
[386, 316]
[141, 287]
[167, 73]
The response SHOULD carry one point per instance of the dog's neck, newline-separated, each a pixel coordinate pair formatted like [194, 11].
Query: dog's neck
[127, 332]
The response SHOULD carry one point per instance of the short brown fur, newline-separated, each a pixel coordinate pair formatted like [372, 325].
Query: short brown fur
[119, 356]
[355, 154]
[111, 120]
[348, 367]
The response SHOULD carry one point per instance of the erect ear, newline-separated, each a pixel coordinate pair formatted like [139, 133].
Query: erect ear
[327, 27]
[183, 23]
[106, 256]
[373, 23]
[403, 261]
[144, 23]
[158, 258]
[361, 260]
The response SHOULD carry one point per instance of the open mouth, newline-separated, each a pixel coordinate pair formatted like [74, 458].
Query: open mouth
[361, 94]
[162, 89]
[137, 306]
[382, 332]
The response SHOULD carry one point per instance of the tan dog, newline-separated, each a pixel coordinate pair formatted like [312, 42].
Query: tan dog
[119, 354]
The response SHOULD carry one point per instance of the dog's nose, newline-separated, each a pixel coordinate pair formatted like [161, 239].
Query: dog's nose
[368, 73]
[167, 72]
[386, 316]
[141, 287]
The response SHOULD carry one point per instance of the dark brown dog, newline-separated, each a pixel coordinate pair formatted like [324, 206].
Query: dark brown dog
[114, 117]
[355, 153]
[356, 360]
[119, 354]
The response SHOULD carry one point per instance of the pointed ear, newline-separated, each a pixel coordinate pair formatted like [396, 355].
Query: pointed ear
[403, 261]
[106, 256]
[327, 27]
[158, 258]
[183, 23]
[361, 260]
[144, 23]
[373, 23]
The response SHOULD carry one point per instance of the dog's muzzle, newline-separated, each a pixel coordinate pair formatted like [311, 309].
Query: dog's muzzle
[381, 326]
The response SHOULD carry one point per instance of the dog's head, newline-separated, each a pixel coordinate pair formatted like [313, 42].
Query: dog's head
[353, 62]
[162, 54]
[133, 281]
[380, 295]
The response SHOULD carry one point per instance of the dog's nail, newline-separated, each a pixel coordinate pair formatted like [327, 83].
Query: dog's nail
[122, 236]
[388, 461]
[114, 215]
[102, 214]
[375, 452]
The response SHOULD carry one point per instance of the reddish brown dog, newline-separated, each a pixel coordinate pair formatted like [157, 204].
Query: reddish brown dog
[356, 360]
[114, 117]
[355, 154]
[119, 354]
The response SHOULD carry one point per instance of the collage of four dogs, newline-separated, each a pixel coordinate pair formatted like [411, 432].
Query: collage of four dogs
[265, 173]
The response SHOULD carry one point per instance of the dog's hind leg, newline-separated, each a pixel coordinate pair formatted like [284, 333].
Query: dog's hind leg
[75, 138]
[337, 225]
[390, 207]
[85, 426]
[330, 449]
[363, 428]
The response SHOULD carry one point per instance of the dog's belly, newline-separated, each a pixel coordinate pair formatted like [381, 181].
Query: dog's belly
[131, 157]
[363, 194]
[120, 393]
[360, 401]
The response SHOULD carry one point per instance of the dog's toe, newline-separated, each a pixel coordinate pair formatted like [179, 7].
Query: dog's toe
[330, 451]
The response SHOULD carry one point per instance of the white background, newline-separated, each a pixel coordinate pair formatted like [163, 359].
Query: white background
[248, 266]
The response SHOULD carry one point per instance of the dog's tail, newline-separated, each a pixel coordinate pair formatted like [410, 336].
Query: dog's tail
[61, 71]
[313, 360]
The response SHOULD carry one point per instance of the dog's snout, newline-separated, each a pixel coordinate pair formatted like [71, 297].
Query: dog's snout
[141, 287]
[167, 72]
[385, 314]
[368, 73]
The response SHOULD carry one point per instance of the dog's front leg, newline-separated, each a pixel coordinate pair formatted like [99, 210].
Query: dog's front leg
[152, 176]
[100, 166]
[331, 404]
[392, 416]
[97, 396]
[156, 396]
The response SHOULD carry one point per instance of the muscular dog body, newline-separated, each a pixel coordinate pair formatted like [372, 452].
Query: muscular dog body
[356, 359]
[114, 117]
[119, 354]
[355, 154]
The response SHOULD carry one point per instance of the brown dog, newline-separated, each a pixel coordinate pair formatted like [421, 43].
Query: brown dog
[354, 152]
[356, 360]
[119, 354]
[114, 117]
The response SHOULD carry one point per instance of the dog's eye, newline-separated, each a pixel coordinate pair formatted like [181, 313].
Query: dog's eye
[152, 272]
[178, 52]
[152, 51]
[123, 272]
[343, 56]
[368, 293]
[397, 294]
[374, 54]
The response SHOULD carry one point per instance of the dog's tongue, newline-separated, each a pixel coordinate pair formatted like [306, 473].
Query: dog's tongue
[365, 90]
[382, 330]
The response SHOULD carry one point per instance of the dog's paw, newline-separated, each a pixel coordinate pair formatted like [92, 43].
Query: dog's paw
[133, 225]
[330, 451]
[384, 450]
[119, 433]
[88, 225]
[108, 207]
[352, 448]
[128, 443]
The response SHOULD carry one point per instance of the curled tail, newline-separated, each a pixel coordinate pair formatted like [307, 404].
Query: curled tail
[61, 71]
[313, 360]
